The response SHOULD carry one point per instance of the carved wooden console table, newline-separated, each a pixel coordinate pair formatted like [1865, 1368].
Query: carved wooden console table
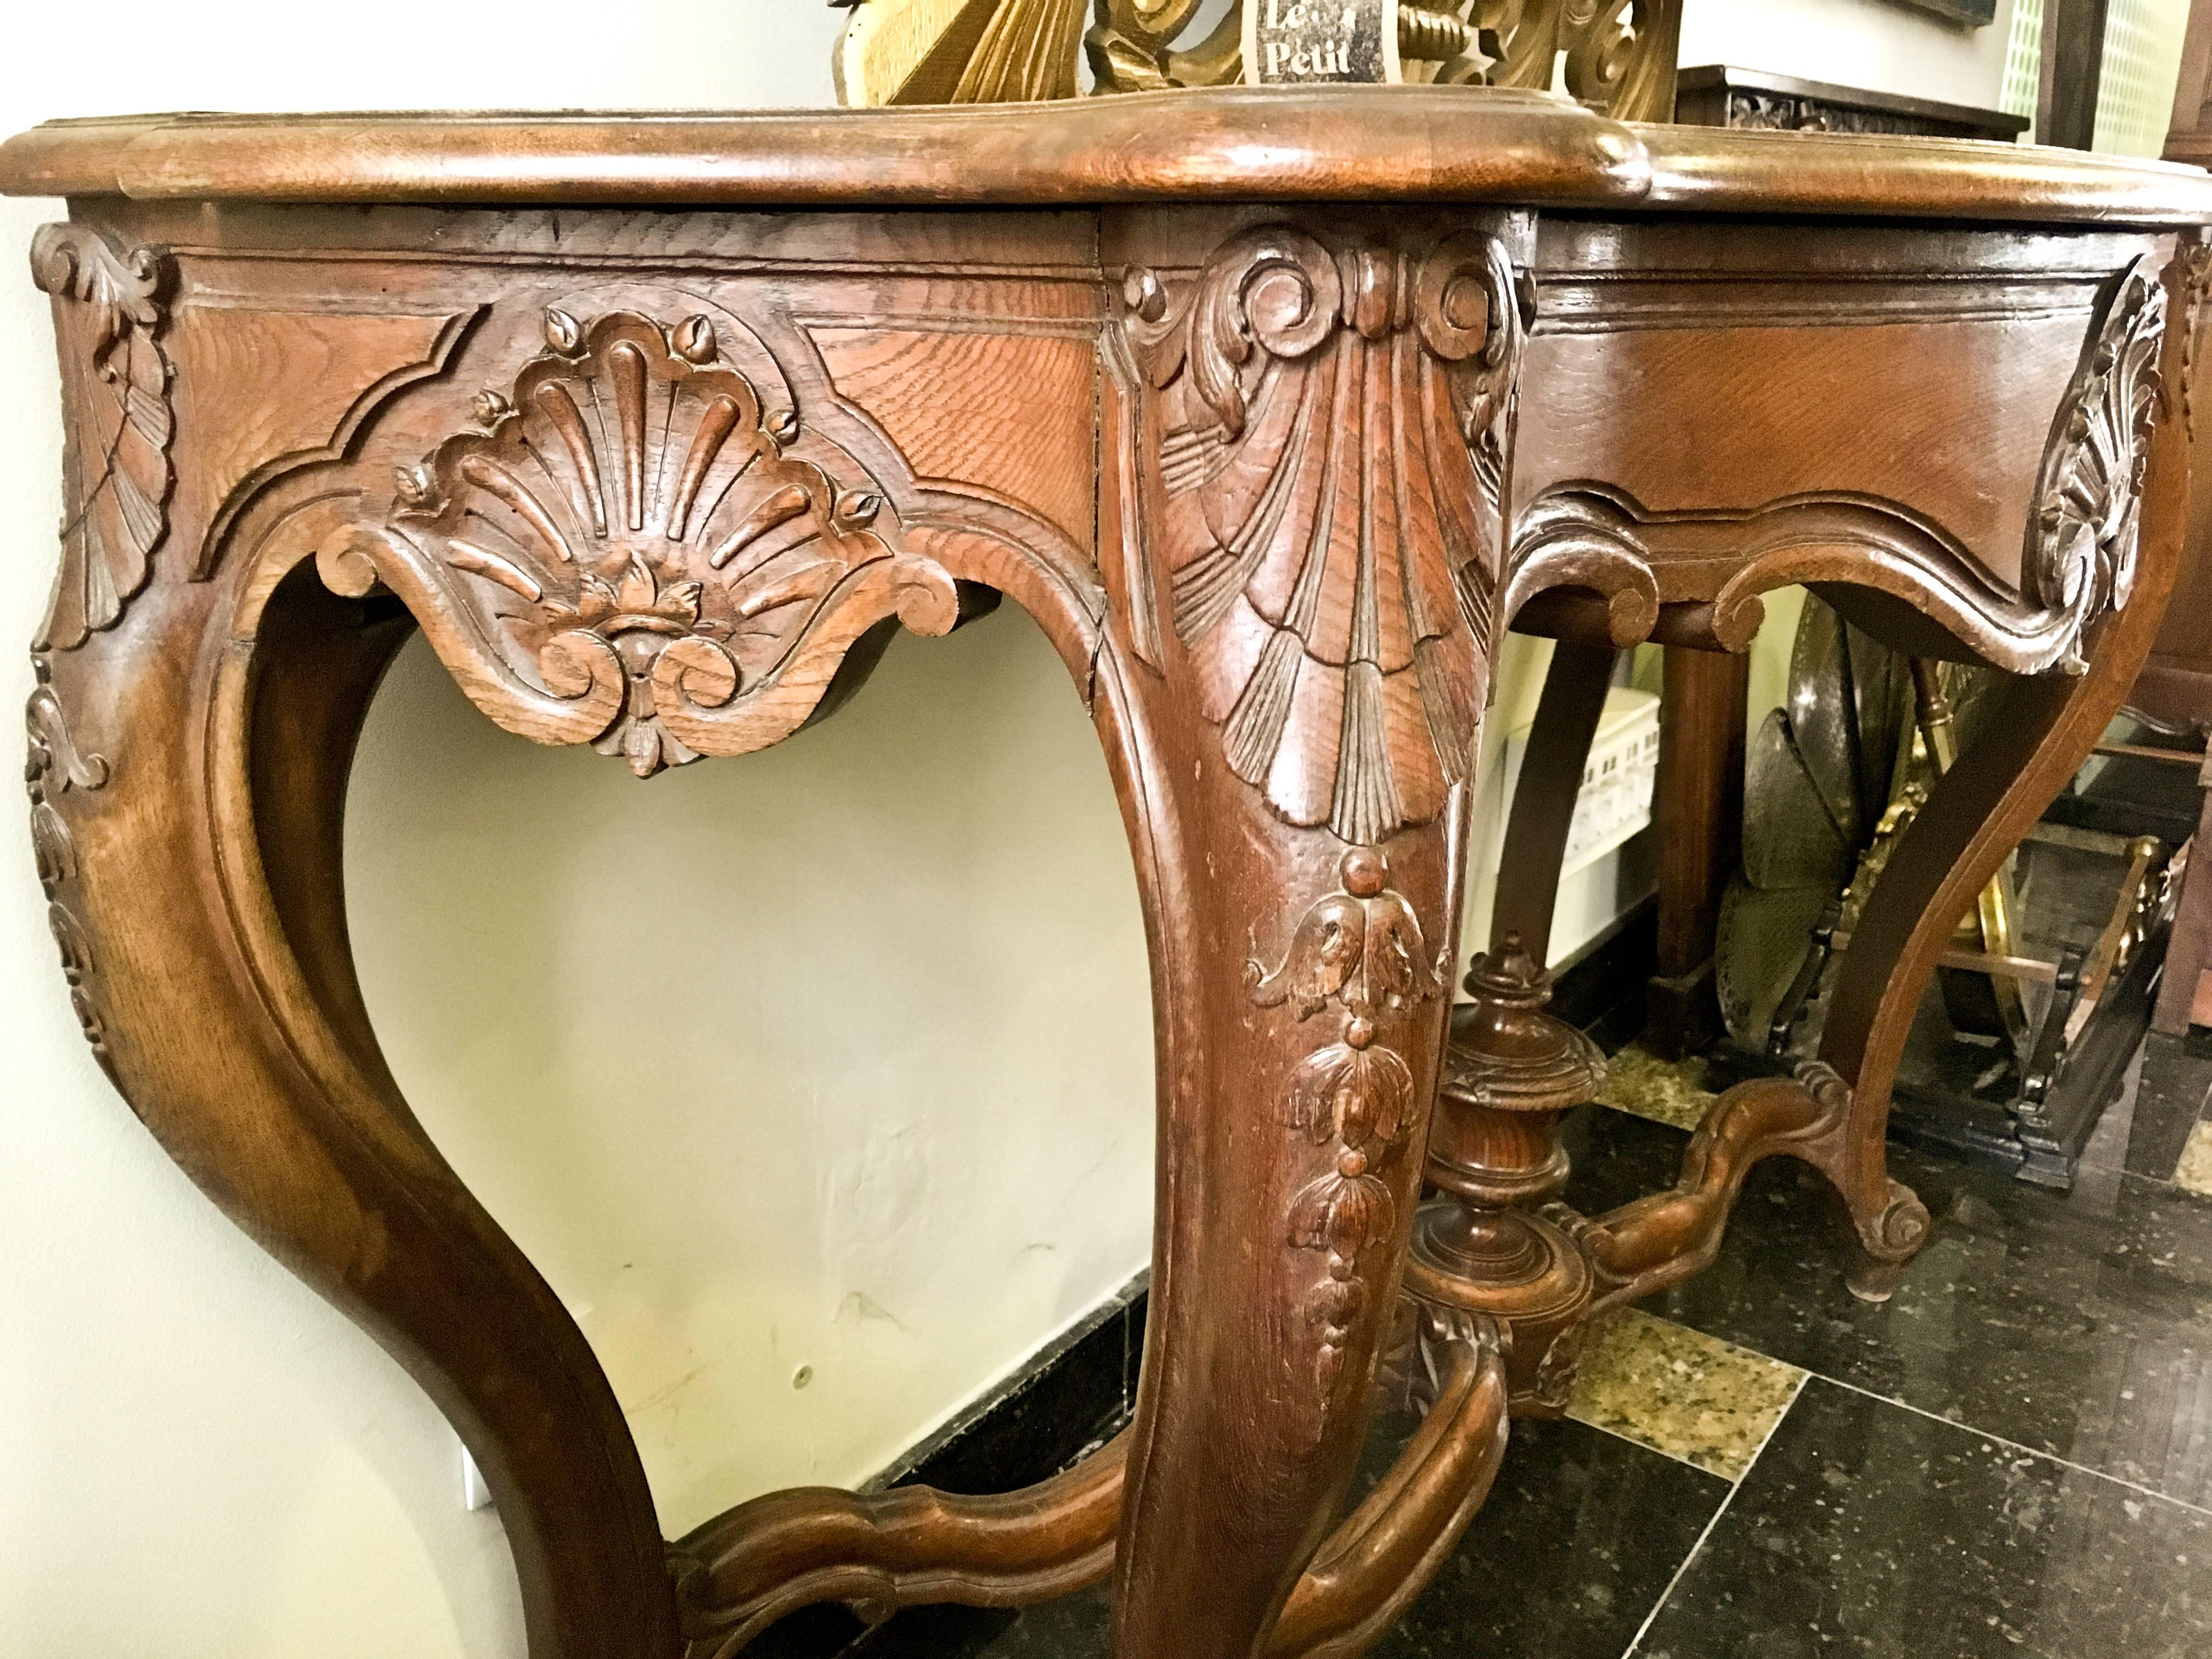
[1274, 410]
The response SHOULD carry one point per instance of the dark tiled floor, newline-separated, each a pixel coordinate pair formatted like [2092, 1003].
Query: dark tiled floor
[1866, 1530]
[2077, 1325]
[1580, 1537]
[2013, 1457]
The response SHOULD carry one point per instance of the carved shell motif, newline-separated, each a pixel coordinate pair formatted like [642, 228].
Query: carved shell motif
[115, 407]
[626, 534]
[2082, 541]
[1328, 519]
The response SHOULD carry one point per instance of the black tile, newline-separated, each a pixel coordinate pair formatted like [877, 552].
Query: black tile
[2078, 1324]
[1867, 1529]
[1070, 1400]
[1579, 1539]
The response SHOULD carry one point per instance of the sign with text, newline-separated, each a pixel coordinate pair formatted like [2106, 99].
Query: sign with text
[1300, 42]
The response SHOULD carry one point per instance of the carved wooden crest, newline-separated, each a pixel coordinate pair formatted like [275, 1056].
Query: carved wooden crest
[2082, 540]
[622, 552]
[116, 412]
[1329, 484]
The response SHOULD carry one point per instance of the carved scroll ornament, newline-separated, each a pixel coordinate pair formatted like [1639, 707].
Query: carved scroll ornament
[116, 414]
[2082, 541]
[1328, 483]
[622, 552]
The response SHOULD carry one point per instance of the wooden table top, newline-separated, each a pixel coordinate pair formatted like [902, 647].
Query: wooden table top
[1370, 143]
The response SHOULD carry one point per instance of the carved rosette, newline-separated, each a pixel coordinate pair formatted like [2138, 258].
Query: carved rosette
[622, 551]
[117, 423]
[1360, 950]
[2082, 540]
[1327, 508]
[53, 767]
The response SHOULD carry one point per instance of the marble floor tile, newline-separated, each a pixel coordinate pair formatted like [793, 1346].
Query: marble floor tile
[1868, 1530]
[2193, 1172]
[1665, 1092]
[1682, 1393]
[2076, 1324]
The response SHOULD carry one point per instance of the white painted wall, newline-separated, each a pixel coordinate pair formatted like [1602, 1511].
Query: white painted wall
[837, 1056]
[1870, 43]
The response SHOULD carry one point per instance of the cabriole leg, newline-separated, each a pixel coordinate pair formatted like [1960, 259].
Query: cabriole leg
[188, 784]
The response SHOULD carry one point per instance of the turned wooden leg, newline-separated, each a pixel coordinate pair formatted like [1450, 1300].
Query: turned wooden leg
[199, 753]
[1485, 1248]
[1699, 809]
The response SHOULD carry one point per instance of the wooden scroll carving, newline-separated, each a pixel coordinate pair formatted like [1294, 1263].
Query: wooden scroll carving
[1361, 950]
[1333, 432]
[2082, 546]
[109, 314]
[621, 552]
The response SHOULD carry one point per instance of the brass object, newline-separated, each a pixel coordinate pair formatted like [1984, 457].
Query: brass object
[1618, 56]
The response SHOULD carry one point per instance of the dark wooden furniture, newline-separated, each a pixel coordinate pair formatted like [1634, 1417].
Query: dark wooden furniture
[1274, 410]
[1698, 804]
[1720, 95]
[2174, 690]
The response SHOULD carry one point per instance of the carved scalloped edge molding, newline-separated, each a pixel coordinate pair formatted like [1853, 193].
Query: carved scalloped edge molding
[1603, 541]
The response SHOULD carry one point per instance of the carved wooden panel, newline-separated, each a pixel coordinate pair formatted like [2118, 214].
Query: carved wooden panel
[1320, 506]
[1009, 413]
[338, 368]
[619, 551]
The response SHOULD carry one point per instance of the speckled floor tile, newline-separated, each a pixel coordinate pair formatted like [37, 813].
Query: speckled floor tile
[1664, 1091]
[2194, 1172]
[2076, 1324]
[1682, 1393]
[1882, 1533]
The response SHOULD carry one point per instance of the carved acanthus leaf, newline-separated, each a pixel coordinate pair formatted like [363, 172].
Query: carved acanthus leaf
[1327, 493]
[54, 766]
[1361, 950]
[626, 539]
[2083, 539]
[117, 422]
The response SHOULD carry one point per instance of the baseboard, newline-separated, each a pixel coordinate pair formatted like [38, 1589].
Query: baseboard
[1073, 1393]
